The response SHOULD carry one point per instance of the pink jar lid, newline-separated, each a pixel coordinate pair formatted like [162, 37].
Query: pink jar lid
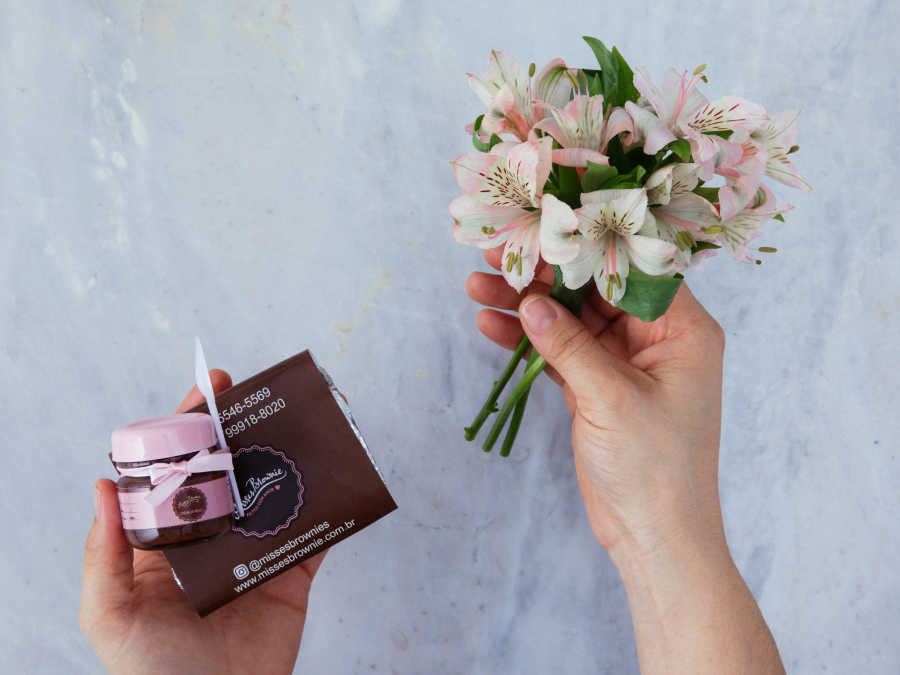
[163, 437]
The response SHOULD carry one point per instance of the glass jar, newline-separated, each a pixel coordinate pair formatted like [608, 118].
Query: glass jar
[173, 488]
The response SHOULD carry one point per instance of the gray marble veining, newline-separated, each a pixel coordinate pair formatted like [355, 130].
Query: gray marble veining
[273, 176]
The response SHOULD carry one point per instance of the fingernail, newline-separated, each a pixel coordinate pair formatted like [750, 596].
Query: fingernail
[98, 502]
[539, 314]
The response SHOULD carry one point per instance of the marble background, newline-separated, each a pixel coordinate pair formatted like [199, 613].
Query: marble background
[273, 176]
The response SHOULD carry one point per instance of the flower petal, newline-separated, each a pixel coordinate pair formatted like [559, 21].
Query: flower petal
[711, 152]
[652, 256]
[644, 84]
[684, 178]
[659, 185]
[739, 231]
[518, 179]
[779, 135]
[471, 169]
[554, 83]
[612, 271]
[578, 271]
[507, 112]
[558, 223]
[622, 211]
[743, 179]
[747, 225]
[483, 89]
[784, 171]
[727, 114]
[502, 70]
[681, 98]
[689, 212]
[522, 252]
[548, 125]
[619, 122]
[581, 120]
[645, 124]
[579, 157]
[480, 224]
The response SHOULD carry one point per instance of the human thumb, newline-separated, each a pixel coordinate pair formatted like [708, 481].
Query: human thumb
[570, 348]
[107, 575]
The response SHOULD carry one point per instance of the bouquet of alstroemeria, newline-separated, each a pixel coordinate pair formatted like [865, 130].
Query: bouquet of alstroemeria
[603, 175]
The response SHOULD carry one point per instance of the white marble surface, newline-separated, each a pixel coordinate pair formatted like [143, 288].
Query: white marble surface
[273, 176]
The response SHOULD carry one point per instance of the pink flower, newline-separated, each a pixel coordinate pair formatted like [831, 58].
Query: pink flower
[609, 243]
[512, 105]
[681, 111]
[778, 136]
[740, 229]
[504, 203]
[583, 131]
[743, 171]
[678, 216]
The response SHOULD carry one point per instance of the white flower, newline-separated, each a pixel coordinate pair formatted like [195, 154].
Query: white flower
[609, 243]
[679, 216]
[504, 203]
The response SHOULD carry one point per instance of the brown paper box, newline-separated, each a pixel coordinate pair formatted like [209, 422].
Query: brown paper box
[305, 477]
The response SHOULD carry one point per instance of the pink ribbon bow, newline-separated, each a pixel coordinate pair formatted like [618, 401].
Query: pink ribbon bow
[166, 477]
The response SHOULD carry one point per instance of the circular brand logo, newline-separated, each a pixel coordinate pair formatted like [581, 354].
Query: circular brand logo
[241, 571]
[189, 504]
[271, 490]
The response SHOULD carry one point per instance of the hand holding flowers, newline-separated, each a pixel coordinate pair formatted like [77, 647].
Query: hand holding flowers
[607, 181]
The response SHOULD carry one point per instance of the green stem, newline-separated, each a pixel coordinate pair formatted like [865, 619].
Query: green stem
[533, 369]
[491, 403]
[518, 414]
[572, 300]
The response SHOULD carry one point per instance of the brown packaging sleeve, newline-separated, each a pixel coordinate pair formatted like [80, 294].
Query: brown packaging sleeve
[342, 491]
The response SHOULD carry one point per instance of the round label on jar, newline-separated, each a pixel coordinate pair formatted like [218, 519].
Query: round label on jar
[189, 504]
[271, 488]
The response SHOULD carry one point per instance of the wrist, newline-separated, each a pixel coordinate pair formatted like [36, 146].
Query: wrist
[674, 551]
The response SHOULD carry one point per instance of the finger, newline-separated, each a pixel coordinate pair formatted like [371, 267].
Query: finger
[493, 291]
[107, 574]
[312, 565]
[689, 339]
[569, 398]
[593, 320]
[687, 312]
[601, 306]
[595, 375]
[493, 256]
[221, 381]
[506, 331]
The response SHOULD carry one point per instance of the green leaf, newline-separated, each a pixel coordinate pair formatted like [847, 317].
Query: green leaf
[597, 176]
[477, 142]
[569, 186]
[648, 297]
[609, 69]
[617, 76]
[681, 148]
[627, 90]
[710, 194]
[567, 297]
[639, 172]
[778, 216]
[632, 179]
[596, 86]
[720, 134]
